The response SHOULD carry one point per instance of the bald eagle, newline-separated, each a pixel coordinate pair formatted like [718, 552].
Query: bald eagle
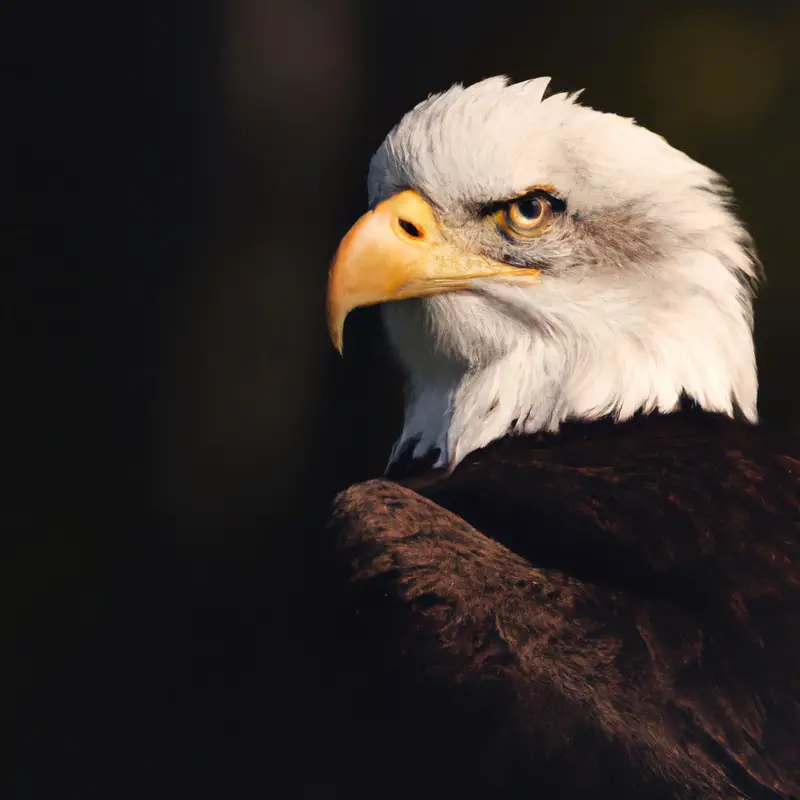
[580, 576]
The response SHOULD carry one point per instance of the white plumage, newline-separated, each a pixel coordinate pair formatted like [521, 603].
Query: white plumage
[646, 291]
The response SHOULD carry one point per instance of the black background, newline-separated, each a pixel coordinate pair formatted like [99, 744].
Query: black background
[177, 178]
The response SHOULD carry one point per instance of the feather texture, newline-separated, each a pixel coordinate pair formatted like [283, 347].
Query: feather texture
[610, 611]
[647, 280]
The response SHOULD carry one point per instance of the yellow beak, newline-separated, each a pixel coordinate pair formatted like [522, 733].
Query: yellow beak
[396, 252]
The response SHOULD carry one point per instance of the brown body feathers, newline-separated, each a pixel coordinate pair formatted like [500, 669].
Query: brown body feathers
[611, 611]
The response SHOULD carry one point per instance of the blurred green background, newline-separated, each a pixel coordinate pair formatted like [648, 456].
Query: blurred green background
[179, 422]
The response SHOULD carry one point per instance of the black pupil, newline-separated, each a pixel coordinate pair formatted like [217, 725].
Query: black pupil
[529, 209]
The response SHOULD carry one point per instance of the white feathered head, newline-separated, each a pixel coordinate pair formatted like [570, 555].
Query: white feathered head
[554, 263]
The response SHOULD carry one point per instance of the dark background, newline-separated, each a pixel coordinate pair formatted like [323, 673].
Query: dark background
[177, 179]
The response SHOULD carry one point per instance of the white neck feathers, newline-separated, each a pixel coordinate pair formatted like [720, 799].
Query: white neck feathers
[574, 353]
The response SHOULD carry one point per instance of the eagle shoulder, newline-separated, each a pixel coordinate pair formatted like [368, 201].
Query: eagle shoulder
[540, 669]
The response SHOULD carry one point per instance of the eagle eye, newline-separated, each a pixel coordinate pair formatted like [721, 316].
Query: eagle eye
[526, 212]
[525, 217]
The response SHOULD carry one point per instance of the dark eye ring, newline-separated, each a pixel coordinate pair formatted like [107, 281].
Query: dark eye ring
[526, 216]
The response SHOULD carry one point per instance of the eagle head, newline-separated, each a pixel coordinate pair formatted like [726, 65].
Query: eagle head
[553, 262]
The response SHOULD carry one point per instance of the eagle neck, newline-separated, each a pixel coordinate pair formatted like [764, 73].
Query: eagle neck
[454, 408]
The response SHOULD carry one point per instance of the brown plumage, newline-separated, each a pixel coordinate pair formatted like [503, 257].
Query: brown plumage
[610, 611]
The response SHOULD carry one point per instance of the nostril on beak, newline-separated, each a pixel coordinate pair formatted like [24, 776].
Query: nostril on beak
[411, 229]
